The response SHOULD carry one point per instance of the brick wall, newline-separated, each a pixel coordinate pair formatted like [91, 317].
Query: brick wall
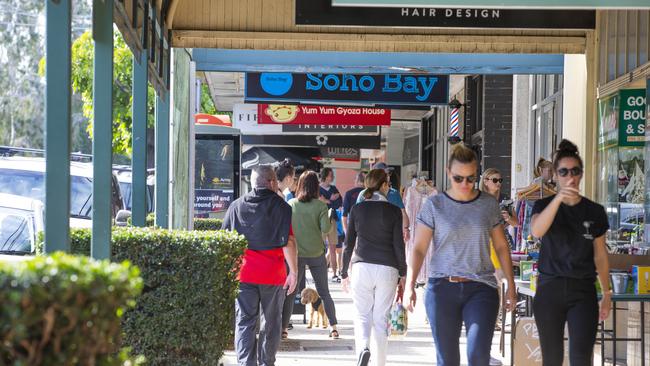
[497, 126]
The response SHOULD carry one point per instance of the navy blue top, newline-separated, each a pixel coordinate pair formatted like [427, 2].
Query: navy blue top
[350, 200]
[334, 204]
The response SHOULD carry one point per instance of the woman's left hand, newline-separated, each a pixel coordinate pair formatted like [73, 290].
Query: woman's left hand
[605, 307]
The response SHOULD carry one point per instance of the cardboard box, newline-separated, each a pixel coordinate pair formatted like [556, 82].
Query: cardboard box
[641, 278]
[527, 349]
[626, 261]
[526, 269]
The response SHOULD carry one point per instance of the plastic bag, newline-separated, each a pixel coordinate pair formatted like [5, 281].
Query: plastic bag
[398, 320]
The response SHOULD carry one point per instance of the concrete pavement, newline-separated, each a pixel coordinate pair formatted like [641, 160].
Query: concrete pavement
[313, 347]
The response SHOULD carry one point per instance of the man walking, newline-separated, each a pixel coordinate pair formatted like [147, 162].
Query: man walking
[264, 218]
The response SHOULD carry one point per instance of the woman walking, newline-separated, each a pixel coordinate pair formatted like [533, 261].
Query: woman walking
[310, 221]
[573, 252]
[461, 288]
[331, 195]
[374, 243]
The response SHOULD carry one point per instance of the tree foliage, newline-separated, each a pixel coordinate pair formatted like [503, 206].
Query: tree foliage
[82, 83]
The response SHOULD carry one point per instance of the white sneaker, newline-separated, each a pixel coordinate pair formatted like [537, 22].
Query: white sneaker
[495, 361]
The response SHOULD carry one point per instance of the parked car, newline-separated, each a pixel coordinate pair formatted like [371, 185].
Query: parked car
[25, 177]
[21, 219]
[124, 177]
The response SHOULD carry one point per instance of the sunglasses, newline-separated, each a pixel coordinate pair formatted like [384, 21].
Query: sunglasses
[460, 178]
[575, 171]
[495, 180]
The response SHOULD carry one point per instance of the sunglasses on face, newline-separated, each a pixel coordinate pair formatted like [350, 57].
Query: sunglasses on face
[575, 171]
[459, 178]
[495, 180]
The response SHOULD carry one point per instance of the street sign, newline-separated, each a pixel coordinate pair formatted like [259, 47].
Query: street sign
[518, 4]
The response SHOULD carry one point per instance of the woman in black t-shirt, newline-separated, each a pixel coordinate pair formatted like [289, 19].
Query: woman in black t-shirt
[573, 252]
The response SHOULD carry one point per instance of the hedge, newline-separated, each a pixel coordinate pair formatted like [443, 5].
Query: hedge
[207, 224]
[185, 313]
[65, 310]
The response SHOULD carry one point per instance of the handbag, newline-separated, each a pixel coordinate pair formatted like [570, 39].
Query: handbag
[398, 319]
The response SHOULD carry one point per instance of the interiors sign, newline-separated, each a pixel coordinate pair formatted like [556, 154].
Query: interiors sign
[322, 115]
[367, 89]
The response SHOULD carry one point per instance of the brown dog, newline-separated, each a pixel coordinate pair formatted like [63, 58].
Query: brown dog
[317, 310]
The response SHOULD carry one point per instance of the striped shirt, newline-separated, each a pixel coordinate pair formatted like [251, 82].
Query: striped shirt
[461, 236]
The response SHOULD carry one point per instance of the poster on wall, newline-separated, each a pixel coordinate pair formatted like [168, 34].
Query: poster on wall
[214, 176]
[631, 118]
[607, 127]
[631, 175]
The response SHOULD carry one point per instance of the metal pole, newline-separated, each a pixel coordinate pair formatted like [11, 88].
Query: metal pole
[162, 161]
[100, 247]
[57, 126]
[139, 140]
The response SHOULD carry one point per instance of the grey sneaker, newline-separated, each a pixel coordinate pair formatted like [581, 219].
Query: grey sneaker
[364, 357]
[495, 361]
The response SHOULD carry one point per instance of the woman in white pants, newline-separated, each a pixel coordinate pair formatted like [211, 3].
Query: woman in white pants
[375, 246]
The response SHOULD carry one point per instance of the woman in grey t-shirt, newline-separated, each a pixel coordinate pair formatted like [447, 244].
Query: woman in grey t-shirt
[462, 287]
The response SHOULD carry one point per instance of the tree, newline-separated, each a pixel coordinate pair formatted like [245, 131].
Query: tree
[82, 83]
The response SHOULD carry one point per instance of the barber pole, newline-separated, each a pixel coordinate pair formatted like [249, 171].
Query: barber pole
[454, 127]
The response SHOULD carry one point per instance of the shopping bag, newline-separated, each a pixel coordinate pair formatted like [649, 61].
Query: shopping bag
[398, 320]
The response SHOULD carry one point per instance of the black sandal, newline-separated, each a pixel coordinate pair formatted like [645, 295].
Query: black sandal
[285, 334]
[334, 334]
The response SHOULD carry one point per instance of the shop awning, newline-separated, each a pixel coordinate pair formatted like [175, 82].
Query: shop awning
[302, 158]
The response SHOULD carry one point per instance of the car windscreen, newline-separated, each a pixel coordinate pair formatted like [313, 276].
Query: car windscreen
[16, 230]
[32, 184]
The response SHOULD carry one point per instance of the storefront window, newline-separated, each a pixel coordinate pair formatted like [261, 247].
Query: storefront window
[621, 176]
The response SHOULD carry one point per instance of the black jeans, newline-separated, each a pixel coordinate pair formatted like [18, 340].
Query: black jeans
[250, 350]
[560, 300]
[318, 268]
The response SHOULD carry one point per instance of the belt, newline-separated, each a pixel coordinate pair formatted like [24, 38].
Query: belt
[455, 279]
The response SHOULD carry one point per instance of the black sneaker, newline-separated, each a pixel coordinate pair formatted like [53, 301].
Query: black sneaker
[290, 326]
[364, 357]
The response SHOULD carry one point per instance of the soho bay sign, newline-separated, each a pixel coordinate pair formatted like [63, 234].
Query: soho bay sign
[406, 90]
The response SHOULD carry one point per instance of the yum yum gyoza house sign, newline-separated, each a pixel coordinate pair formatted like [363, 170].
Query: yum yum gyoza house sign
[395, 90]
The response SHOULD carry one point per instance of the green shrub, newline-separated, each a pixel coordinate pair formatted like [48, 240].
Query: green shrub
[207, 224]
[185, 313]
[149, 221]
[64, 310]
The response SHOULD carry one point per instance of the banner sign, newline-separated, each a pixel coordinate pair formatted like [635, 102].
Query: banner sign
[411, 153]
[368, 89]
[321, 12]
[359, 142]
[341, 153]
[607, 116]
[212, 200]
[543, 4]
[328, 129]
[317, 115]
[245, 119]
[631, 120]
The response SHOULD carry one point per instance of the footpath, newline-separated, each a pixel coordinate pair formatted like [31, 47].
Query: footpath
[313, 347]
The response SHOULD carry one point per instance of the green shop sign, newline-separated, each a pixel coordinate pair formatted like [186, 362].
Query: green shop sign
[631, 120]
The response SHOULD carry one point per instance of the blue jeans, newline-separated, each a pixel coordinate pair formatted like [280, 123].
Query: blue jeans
[448, 306]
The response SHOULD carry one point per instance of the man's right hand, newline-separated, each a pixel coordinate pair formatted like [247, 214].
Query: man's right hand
[291, 282]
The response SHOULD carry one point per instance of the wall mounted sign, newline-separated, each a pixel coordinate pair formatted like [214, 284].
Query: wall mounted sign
[245, 119]
[341, 153]
[632, 115]
[359, 142]
[607, 122]
[329, 129]
[322, 115]
[401, 90]
[321, 12]
[544, 4]
[411, 153]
